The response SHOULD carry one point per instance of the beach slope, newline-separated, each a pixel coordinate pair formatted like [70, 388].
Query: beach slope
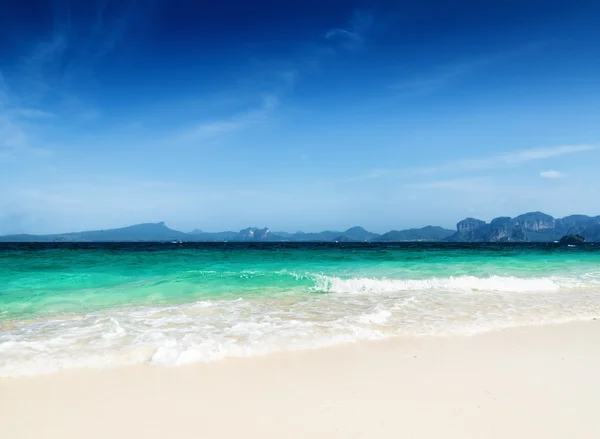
[528, 382]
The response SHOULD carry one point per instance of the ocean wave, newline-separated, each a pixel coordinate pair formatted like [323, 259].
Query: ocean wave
[508, 284]
[353, 309]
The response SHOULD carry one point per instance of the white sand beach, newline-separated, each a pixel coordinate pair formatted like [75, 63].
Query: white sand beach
[529, 382]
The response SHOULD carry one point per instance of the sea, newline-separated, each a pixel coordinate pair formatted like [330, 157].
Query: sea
[86, 305]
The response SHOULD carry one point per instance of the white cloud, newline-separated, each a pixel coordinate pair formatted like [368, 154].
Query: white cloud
[41, 76]
[352, 37]
[552, 174]
[544, 153]
[442, 76]
[514, 158]
[14, 139]
[228, 125]
[438, 79]
[14, 136]
[508, 159]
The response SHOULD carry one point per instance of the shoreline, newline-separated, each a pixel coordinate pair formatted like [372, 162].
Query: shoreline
[389, 338]
[522, 382]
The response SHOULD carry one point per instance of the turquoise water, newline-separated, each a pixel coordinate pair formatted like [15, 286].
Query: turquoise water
[74, 305]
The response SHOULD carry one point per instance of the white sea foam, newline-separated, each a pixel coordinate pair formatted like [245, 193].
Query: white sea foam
[450, 284]
[351, 309]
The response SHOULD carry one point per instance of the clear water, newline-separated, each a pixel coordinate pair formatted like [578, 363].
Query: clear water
[96, 305]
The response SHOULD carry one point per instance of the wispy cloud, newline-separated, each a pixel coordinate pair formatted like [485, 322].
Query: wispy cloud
[437, 79]
[34, 113]
[41, 84]
[41, 65]
[508, 159]
[48, 79]
[376, 173]
[444, 75]
[472, 184]
[514, 158]
[237, 122]
[276, 78]
[14, 138]
[552, 174]
[352, 37]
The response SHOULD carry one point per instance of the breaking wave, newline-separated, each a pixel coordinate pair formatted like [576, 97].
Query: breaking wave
[507, 284]
[349, 309]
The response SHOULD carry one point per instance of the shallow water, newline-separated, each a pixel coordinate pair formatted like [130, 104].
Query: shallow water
[73, 305]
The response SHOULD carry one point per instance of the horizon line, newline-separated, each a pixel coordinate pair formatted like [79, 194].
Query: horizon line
[295, 232]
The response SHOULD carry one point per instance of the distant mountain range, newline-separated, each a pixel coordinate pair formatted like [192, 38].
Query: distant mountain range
[529, 227]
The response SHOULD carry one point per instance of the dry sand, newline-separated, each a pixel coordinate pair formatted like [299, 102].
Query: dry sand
[536, 382]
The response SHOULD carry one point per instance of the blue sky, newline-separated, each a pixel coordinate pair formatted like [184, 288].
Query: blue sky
[296, 115]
